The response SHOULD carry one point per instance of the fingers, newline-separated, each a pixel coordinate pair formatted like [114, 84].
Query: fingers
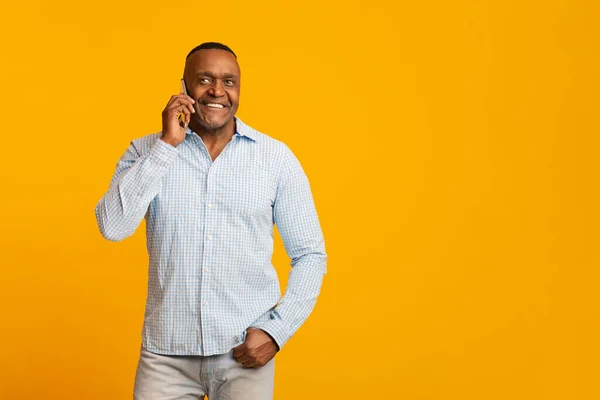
[183, 119]
[181, 115]
[186, 112]
[245, 360]
[239, 351]
[242, 357]
[182, 107]
[248, 362]
[252, 353]
[181, 100]
[181, 110]
[179, 97]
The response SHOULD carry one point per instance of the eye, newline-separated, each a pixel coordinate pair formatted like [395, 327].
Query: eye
[229, 82]
[204, 80]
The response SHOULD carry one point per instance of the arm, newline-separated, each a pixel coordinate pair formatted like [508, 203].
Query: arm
[134, 185]
[137, 179]
[296, 219]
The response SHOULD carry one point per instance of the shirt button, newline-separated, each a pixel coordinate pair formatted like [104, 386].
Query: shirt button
[205, 302]
[205, 269]
[209, 237]
[210, 205]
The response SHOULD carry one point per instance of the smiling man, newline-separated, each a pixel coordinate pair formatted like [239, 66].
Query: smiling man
[211, 189]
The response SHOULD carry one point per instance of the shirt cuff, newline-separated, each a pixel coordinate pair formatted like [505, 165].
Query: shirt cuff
[276, 328]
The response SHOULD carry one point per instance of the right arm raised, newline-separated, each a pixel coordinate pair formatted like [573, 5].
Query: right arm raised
[137, 179]
[135, 184]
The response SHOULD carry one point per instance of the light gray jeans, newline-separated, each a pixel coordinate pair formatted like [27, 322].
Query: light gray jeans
[220, 377]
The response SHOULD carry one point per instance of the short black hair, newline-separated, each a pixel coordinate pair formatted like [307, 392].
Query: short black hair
[211, 45]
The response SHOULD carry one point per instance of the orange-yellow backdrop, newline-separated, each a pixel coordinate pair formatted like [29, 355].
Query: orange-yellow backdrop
[452, 150]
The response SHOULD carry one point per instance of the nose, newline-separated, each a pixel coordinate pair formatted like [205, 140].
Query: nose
[216, 89]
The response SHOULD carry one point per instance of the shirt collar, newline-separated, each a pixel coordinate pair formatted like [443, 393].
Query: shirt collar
[241, 129]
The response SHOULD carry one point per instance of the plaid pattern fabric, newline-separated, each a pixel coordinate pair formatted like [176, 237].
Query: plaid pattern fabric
[209, 228]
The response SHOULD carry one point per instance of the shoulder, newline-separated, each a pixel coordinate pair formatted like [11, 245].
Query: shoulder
[273, 148]
[276, 154]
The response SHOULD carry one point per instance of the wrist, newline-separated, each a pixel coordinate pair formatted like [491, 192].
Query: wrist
[272, 339]
[171, 141]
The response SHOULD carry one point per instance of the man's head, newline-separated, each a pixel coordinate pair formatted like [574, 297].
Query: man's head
[212, 77]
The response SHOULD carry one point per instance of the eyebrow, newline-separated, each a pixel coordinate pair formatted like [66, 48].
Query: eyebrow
[207, 73]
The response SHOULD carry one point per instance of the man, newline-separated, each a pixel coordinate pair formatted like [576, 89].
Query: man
[211, 188]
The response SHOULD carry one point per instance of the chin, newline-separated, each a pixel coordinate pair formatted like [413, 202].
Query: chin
[214, 125]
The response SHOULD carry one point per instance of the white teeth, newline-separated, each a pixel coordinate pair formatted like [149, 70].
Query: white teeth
[215, 105]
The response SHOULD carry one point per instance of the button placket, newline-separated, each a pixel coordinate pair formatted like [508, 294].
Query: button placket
[207, 254]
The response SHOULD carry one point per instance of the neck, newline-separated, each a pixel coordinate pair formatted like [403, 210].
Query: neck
[223, 134]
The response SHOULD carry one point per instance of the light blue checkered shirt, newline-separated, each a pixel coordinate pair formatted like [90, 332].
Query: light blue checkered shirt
[209, 229]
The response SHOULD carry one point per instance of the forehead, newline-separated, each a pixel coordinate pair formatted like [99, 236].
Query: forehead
[218, 62]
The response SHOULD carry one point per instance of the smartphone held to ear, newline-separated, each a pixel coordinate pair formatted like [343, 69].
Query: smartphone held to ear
[181, 116]
[183, 87]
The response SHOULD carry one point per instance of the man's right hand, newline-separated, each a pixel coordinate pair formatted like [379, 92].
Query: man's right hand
[172, 131]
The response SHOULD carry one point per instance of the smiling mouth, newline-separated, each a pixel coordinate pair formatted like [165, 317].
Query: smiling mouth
[214, 105]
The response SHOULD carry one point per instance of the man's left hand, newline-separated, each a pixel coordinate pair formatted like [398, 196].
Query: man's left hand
[258, 349]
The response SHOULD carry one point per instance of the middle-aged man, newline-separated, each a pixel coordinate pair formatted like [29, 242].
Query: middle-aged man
[211, 189]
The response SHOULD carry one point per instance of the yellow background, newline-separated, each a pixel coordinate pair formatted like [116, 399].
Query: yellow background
[452, 151]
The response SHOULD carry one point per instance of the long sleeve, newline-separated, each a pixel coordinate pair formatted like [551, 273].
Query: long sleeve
[297, 221]
[134, 185]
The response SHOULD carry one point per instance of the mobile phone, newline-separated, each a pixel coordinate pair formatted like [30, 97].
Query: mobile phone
[183, 87]
[181, 116]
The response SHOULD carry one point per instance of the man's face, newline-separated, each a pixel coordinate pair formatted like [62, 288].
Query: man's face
[212, 78]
